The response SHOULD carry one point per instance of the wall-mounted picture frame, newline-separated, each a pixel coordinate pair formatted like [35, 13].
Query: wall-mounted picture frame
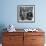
[26, 13]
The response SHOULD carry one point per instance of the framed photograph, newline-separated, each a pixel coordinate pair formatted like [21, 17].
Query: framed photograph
[26, 13]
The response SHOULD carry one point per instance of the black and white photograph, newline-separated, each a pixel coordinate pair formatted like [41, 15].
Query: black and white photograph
[26, 13]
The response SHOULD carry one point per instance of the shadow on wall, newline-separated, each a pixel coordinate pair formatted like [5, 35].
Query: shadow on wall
[2, 26]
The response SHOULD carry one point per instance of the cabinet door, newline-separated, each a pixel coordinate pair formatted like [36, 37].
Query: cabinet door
[37, 40]
[13, 40]
[27, 40]
[18, 41]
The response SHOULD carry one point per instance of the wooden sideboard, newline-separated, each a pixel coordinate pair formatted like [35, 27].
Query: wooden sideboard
[23, 38]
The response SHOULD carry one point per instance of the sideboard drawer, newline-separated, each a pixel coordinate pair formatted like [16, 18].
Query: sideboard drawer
[34, 33]
[13, 33]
